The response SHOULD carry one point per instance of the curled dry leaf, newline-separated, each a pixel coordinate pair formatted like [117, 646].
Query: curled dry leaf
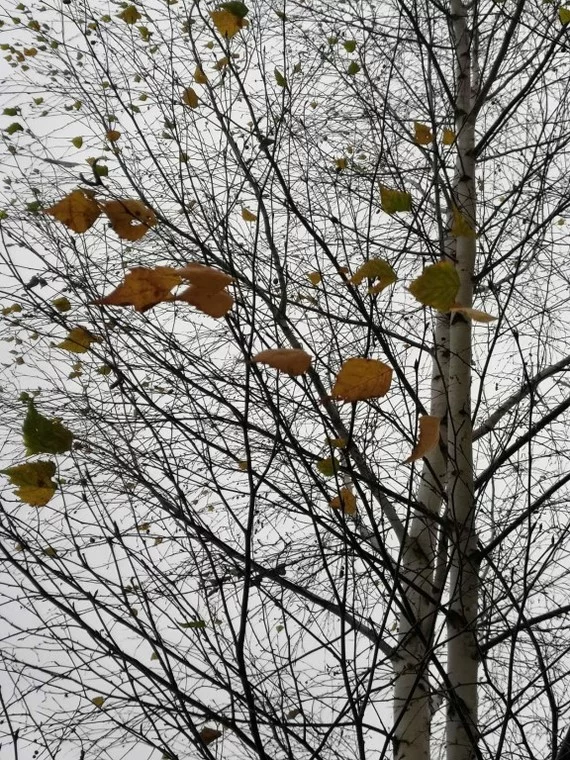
[142, 288]
[206, 278]
[130, 218]
[209, 735]
[360, 379]
[190, 97]
[216, 304]
[437, 286]
[293, 361]
[248, 216]
[345, 501]
[474, 314]
[78, 210]
[78, 341]
[429, 437]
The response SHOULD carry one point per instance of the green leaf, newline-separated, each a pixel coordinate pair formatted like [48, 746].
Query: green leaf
[353, 69]
[13, 128]
[62, 304]
[328, 467]
[130, 15]
[280, 79]
[349, 46]
[44, 436]
[77, 142]
[193, 624]
[11, 111]
[564, 16]
[394, 201]
[236, 8]
[437, 286]
[33, 479]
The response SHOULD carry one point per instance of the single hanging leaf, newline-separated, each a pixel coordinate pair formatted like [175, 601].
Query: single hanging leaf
[564, 16]
[77, 142]
[62, 304]
[190, 98]
[215, 305]
[98, 701]
[361, 379]
[209, 735]
[34, 482]
[345, 501]
[353, 69]
[279, 78]
[130, 15]
[437, 286]
[429, 437]
[293, 361]
[423, 135]
[193, 624]
[394, 201]
[78, 341]
[462, 226]
[314, 277]
[236, 7]
[78, 211]
[248, 216]
[44, 436]
[227, 24]
[341, 164]
[349, 46]
[375, 269]
[130, 218]
[473, 314]
[328, 467]
[199, 76]
[448, 137]
[143, 288]
[113, 135]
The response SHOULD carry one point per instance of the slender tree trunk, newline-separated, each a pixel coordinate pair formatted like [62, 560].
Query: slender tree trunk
[463, 576]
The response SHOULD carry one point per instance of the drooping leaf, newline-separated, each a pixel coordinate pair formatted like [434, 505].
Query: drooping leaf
[13, 128]
[98, 701]
[236, 7]
[462, 226]
[248, 216]
[62, 304]
[130, 15]
[428, 438]
[279, 78]
[190, 97]
[473, 314]
[143, 288]
[337, 443]
[422, 134]
[199, 76]
[43, 435]
[345, 501]
[394, 201]
[328, 467]
[215, 305]
[207, 279]
[341, 164]
[77, 142]
[360, 379]
[78, 341]
[227, 23]
[130, 218]
[437, 286]
[34, 481]
[564, 16]
[353, 68]
[314, 277]
[112, 135]
[209, 735]
[349, 46]
[448, 137]
[293, 361]
[78, 211]
[375, 269]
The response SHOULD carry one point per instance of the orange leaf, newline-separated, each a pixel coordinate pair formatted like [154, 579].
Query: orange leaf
[143, 288]
[130, 218]
[474, 314]
[360, 379]
[248, 216]
[78, 211]
[215, 304]
[206, 278]
[113, 135]
[346, 501]
[293, 361]
[428, 440]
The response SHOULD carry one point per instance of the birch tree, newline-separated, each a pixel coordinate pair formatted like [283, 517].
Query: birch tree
[286, 380]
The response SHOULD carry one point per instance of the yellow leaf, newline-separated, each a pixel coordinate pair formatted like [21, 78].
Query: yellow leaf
[34, 481]
[360, 379]
[375, 269]
[78, 341]
[423, 135]
[328, 467]
[78, 211]
[226, 23]
[248, 216]
[564, 16]
[337, 443]
[130, 218]
[49, 551]
[98, 701]
[62, 304]
[209, 735]
[448, 137]
[462, 226]
[314, 277]
[130, 15]
[199, 76]
[77, 142]
[394, 201]
[215, 305]
[221, 64]
[190, 98]
[293, 361]
[437, 286]
[341, 164]
[243, 465]
[474, 314]
[113, 135]
[143, 288]
[345, 501]
[429, 437]
[208, 279]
